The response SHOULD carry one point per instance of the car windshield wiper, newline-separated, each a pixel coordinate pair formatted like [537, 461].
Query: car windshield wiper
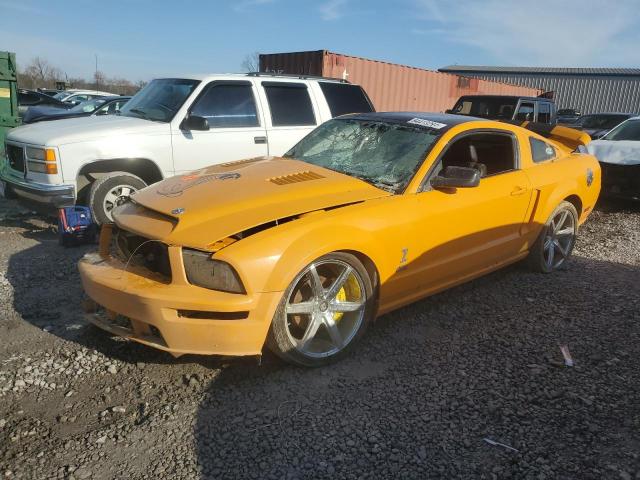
[386, 185]
[376, 182]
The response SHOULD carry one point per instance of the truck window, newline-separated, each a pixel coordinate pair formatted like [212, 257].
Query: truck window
[228, 105]
[344, 98]
[486, 107]
[289, 103]
[525, 112]
[544, 112]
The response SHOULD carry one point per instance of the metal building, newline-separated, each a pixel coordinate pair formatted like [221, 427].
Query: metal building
[390, 86]
[592, 90]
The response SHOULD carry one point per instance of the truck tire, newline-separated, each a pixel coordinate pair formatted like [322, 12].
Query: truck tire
[108, 192]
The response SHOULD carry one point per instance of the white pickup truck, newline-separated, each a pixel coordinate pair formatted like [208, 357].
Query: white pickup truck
[172, 126]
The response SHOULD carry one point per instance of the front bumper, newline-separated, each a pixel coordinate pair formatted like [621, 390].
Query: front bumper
[620, 181]
[153, 313]
[54, 196]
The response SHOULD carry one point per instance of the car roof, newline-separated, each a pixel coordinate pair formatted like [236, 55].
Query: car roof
[447, 119]
[244, 76]
[518, 97]
[610, 113]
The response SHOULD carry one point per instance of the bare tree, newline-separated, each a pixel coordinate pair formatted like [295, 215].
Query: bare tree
[99, 79]
[251, 62]
[40, 73]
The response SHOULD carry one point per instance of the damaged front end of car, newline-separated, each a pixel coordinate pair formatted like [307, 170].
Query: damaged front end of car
[621, 181]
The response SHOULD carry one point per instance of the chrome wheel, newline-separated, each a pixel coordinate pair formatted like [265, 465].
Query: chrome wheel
[324, 308]
[116, 196]
[559, 239]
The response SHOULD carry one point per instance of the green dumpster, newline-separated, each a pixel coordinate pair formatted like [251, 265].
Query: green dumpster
[8, 96]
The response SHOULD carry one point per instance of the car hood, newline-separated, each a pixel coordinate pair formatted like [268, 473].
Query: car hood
[211, 204]
[76, 130]
[619, 152]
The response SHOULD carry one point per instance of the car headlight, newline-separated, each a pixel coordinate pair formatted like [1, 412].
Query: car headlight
[204, 271]
[42, 160]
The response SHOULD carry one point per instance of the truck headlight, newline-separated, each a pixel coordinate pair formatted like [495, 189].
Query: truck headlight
[42, 160]
[204, 271]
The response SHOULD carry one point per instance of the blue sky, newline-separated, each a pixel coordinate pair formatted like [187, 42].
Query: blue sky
[142, 39]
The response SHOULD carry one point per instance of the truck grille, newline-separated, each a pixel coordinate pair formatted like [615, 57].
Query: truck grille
[15, 155]
[136, 251]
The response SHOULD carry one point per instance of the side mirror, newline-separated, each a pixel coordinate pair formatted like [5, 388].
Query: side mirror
[450, 110]
[456, 177]
[195, 122]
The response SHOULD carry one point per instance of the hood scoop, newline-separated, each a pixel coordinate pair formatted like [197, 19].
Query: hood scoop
[295, 178]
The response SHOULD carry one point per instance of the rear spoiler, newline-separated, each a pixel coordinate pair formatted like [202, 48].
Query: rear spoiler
[569, 138]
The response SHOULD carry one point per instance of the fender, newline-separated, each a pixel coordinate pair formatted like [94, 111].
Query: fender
[122, 159]
[277, 255]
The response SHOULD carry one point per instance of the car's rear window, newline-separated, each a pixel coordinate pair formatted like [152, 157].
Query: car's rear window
[344, 98]
[486, 107]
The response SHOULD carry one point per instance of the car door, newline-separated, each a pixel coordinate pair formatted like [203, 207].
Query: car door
[236, 127]
[471, 230]
[292, 113]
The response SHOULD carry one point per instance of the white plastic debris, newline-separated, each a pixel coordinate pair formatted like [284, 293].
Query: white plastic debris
[568, 360]
[498, 444]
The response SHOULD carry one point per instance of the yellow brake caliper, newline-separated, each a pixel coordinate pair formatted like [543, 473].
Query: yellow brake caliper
[351, 285]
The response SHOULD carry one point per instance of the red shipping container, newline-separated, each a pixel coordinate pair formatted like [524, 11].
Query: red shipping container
[390, 86]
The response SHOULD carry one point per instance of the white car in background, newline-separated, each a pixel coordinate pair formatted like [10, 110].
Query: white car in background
[76, 96]
[619, 155]
[172, 126]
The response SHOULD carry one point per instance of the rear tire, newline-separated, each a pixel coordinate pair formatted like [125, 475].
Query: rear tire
[555, 243]
[108, 192]
[332, 297]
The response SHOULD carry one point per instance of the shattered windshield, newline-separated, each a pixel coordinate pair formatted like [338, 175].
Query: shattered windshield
[383, 154]
[160, 100]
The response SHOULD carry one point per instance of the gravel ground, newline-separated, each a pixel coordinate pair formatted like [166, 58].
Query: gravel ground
[417, 398]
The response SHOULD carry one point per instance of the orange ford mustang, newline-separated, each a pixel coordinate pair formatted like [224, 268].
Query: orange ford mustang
[366, 214]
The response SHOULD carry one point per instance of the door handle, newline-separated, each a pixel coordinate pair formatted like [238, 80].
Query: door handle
[519, 190]
[259, 140]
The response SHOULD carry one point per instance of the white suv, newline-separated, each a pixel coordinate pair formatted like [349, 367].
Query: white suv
[172, 126]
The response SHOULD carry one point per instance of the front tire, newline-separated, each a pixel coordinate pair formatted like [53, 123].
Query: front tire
[324, 311]
[556, 240]
[108, 192]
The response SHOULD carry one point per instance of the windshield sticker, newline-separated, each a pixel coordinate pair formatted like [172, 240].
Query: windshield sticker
[427, 123]
[177, 185]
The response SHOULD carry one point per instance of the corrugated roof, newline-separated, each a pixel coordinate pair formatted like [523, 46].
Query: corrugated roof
[542, 70]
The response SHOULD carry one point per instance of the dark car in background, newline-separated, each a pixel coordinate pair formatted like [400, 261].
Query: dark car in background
[49, 91]
[597, 124]
[568, 115]
[31, 98]
[96, 106]
[507, 107]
